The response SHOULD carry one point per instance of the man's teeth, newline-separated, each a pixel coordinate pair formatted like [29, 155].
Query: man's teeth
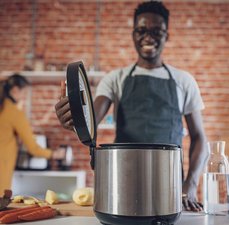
[148, 47]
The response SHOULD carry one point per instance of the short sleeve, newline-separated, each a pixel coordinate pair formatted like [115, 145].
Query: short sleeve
[193, 100]
[106, 87]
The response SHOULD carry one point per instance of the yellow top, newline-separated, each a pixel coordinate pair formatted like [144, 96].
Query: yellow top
[13, 123]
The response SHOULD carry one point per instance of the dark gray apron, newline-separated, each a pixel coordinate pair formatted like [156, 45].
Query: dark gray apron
[148, 111]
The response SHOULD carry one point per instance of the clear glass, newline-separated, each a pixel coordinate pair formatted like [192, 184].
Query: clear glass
[216, 180]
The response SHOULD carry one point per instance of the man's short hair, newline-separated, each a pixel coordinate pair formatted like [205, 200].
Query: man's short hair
[152, 7]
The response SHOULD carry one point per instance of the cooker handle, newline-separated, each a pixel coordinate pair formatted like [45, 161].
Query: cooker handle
[92, 154]
[181, 161]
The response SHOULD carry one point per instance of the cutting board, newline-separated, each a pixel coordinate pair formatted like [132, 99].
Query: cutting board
[64, 208]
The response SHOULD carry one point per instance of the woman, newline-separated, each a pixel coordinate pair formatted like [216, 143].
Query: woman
[13, 124]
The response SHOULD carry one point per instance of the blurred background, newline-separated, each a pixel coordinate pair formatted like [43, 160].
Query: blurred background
[38, 38]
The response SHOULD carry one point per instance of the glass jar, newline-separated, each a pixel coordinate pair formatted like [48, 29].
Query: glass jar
[216, 180]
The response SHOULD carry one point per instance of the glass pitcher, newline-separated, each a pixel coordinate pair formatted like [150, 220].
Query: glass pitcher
[216, 180]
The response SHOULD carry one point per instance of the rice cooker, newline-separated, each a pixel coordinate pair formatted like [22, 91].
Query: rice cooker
[135, 183]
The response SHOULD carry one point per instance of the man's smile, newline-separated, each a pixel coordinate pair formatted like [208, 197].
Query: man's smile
[148, 47]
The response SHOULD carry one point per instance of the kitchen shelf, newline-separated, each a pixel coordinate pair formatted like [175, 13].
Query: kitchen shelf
[44, 76]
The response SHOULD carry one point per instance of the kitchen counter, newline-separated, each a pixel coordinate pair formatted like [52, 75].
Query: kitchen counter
[186, 219]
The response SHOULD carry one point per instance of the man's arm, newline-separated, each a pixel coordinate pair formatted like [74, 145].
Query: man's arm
[197, 159]
[101, 107]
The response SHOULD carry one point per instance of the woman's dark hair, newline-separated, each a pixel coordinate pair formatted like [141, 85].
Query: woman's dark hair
[12, 81]
[152, 7]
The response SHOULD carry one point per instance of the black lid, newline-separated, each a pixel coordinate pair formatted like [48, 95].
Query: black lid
[139, 146]
[81, 104]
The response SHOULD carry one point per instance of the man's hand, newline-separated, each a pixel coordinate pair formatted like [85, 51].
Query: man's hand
[189, 200]
[64, 114]
[190, 204]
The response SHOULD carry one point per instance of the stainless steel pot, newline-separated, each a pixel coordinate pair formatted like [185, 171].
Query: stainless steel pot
[127, 176]
[138, 180]
[135, 184]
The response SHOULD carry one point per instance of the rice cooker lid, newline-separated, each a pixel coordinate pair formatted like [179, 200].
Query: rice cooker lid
[154, 146]
[81, 104]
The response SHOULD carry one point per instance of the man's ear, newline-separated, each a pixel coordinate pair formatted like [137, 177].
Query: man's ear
[167, 36]
[133, 35]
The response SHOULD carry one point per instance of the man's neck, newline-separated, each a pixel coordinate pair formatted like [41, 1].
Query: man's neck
[149, 64]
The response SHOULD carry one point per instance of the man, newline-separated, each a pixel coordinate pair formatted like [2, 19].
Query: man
[150, 98]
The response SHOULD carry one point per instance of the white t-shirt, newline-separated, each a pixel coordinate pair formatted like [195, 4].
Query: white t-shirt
[188, 93]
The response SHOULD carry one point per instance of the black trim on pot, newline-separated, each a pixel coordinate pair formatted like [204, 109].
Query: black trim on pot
[109, 219]
[138, 146]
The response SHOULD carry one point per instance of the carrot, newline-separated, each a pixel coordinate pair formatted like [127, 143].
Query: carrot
[39, 215]
[16, 210]
[13, 217]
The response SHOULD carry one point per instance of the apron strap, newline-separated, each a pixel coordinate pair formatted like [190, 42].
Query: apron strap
[166, 68]
[132, 70]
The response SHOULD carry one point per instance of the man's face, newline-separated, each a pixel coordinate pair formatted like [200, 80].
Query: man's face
[149, 35]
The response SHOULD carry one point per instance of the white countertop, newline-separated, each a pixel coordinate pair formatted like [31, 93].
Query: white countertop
[50, 173]
[186, 219]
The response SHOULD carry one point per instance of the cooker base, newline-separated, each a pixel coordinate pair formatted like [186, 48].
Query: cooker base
[153, 223]
[109, 219]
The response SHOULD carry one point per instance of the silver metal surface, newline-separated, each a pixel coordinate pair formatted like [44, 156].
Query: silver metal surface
[138, 182]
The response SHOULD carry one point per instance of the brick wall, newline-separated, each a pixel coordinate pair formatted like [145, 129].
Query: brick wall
[100, 35]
